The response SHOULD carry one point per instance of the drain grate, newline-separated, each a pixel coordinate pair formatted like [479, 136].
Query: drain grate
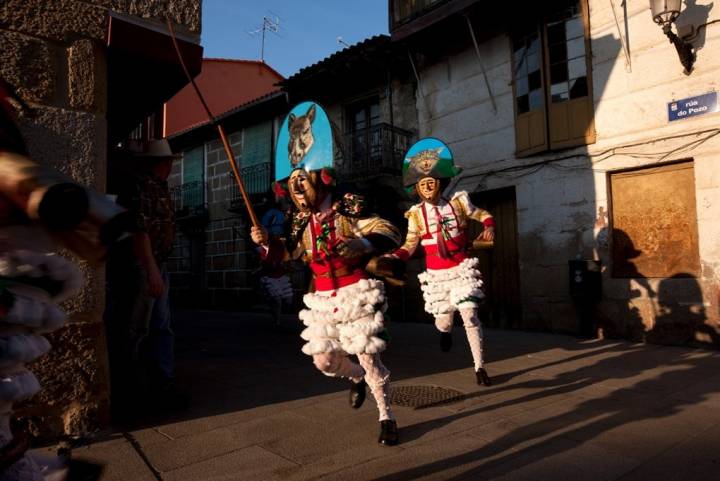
[423, 396]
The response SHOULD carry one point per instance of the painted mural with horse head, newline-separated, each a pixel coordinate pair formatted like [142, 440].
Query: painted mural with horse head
[301, 135]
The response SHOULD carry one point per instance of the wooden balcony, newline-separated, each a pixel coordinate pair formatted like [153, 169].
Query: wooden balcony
[374, 151]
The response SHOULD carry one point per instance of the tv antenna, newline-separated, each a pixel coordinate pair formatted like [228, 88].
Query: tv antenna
[342, 42]
[271, 23]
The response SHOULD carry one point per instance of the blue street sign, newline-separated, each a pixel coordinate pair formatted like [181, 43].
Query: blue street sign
[692, 106]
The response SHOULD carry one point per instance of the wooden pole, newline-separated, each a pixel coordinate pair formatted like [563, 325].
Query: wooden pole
[226, 144]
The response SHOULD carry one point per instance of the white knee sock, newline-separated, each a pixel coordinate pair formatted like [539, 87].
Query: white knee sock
[444, 322]
[377, 377]
[335, 364]
[473, 329]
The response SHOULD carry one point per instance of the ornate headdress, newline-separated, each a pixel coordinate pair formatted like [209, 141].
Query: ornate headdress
[305, 141]
[428, 157]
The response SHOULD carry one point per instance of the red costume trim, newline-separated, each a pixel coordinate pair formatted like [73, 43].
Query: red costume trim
[330, 284]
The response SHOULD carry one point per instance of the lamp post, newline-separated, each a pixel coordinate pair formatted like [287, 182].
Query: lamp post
[664, 13]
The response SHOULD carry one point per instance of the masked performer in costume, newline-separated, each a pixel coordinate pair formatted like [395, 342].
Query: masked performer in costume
[344, 314]
[439, 226]
[40, 211]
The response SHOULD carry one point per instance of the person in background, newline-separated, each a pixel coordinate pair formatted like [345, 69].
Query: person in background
[139, 321]
[274, 280]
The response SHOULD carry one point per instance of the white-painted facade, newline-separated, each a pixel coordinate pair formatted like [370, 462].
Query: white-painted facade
[558, 204]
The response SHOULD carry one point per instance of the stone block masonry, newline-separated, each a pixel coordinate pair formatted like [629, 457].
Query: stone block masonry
[53, 52]
[219, 262]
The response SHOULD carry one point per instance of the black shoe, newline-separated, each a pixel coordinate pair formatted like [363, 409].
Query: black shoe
[482, 377]
[357, 394]
[388, 433]
[445, 341]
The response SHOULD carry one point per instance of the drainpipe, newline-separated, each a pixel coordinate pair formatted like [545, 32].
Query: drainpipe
[623, 41]
[390, 98]
[482, 67]
[417, 79]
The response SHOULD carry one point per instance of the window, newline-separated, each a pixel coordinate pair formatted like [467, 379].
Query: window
[551, 80]
[654, 222]
[193, 177]
[256, 157]
[363, 120]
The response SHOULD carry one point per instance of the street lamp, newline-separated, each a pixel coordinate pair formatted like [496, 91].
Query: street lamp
[664, 13]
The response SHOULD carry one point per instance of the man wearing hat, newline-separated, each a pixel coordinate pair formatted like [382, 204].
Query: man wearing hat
[439, 226]
[139, 324]
[334, 235]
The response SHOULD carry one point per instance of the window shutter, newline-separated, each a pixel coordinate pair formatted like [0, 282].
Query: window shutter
[257, 148]
[528, 93]
[193, 165]
[193, 192]
[530, 134]
[256, 158]
[568, 67]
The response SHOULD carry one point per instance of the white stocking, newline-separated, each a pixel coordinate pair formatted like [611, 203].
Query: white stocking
[377, 377]
[337, 364]
[473, 329]
[444, 322]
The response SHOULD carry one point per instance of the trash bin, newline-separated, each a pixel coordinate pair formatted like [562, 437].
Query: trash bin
[585, 285]
[585, 279]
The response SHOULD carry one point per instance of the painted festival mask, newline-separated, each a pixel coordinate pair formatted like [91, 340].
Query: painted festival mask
[429, 189]
[306, 190]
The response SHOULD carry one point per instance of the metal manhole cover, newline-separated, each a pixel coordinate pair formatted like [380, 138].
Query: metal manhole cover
[423, 396]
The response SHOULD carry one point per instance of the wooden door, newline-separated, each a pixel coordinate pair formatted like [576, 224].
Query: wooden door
[499, 265]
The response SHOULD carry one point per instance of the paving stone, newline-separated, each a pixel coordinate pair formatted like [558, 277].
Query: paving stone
[251, 464]
[171, 455]
[557, 460]
[643, 434]
[424, 462]
[120, 461]
[696, 459]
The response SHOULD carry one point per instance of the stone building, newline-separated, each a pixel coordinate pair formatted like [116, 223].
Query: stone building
[91, 70]
[370, 100]
[569, 119]
[213, 258]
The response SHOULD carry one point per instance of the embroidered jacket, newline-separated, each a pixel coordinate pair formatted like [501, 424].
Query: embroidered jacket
[148, 199]
[441, 230]
[318, 237]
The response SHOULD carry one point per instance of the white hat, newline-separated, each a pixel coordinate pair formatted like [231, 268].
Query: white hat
[157, 149]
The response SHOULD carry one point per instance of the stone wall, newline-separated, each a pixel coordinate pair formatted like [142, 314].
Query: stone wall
[53, 51]
[561, 204]
[219, 259]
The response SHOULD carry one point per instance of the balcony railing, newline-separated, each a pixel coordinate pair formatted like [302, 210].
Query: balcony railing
[189, 198]
[257, 179]
[404, 11]
[375, 150]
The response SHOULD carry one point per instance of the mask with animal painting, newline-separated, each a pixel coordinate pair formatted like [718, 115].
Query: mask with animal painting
[304, 156]
[426, 163]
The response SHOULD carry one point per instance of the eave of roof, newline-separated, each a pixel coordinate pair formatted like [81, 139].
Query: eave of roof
[367, 44]
[252, 62]
[228, 113]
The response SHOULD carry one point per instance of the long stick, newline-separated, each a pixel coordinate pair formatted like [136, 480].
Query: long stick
[226, 145]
